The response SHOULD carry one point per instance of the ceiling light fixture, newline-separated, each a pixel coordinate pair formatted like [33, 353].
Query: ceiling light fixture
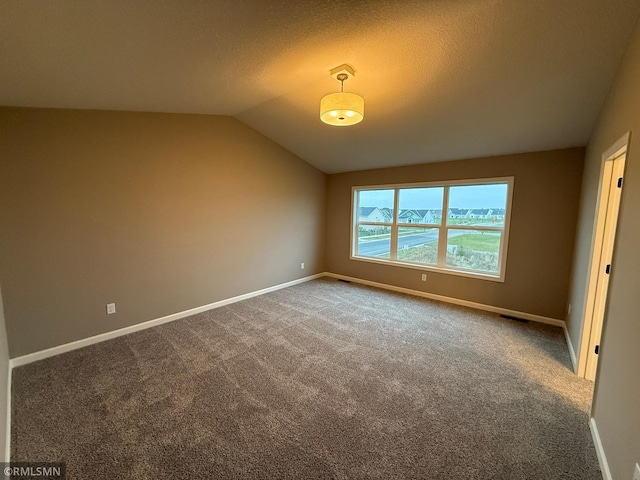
[342, 109]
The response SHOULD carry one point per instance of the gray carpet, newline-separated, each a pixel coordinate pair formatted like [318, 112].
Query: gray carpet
[321, 380]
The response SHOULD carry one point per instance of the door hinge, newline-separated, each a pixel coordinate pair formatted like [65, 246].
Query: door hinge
[608, 269]
[620, 182]
[597, 349]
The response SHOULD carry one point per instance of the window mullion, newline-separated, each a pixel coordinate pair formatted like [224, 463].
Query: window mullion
[393, 254]
[442, 233]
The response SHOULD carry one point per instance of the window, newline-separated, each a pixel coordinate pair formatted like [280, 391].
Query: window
[457, 227]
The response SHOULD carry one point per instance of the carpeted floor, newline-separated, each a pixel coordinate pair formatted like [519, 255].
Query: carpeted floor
[320, 380]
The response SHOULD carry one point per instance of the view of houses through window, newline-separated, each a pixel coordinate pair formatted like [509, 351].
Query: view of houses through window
[457, 226]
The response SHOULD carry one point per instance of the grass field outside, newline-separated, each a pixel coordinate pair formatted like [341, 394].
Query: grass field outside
[486, 222]
[473, 250]
[423, 254]
[480, 241]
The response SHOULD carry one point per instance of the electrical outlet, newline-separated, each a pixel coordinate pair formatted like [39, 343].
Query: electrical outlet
[111, 308]
[424, 277]
[302, 266]
[636, 473]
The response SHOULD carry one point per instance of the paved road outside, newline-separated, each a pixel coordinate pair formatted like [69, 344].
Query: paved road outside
[382, 247]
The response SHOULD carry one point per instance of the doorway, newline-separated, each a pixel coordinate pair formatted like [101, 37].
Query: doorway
[609, 194]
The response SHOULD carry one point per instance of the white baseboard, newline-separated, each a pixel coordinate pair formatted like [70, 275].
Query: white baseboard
[7, 445]
[455, 301]
[572, 352]
[67, 347]
[602, 458]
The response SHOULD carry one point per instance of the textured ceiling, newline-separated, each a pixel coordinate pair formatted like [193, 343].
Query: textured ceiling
[442, 80]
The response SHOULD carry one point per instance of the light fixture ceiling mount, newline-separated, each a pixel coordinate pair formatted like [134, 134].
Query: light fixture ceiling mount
[342, 109]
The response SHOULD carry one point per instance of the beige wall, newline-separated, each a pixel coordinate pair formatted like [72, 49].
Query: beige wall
[617, 392]
[545, 203]
[4, 378]
[156, 212]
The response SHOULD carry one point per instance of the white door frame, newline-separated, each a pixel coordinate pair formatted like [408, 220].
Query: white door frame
[605, 224]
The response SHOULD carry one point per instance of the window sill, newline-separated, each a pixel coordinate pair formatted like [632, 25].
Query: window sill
[445, 271]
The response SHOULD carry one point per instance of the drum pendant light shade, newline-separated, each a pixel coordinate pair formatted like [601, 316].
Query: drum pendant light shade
[342, 109]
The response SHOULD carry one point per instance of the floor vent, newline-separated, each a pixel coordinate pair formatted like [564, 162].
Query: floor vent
[515, 318]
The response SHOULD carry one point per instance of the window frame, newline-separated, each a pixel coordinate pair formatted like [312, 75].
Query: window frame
[443, 228]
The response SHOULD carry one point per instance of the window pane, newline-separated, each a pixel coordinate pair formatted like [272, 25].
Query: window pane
[422, 206]
[375, 205]
[474, 249]
[418, 245]
[374, 241]
[477, 205]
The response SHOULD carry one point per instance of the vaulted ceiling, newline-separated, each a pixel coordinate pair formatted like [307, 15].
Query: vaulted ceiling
[442, 79]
